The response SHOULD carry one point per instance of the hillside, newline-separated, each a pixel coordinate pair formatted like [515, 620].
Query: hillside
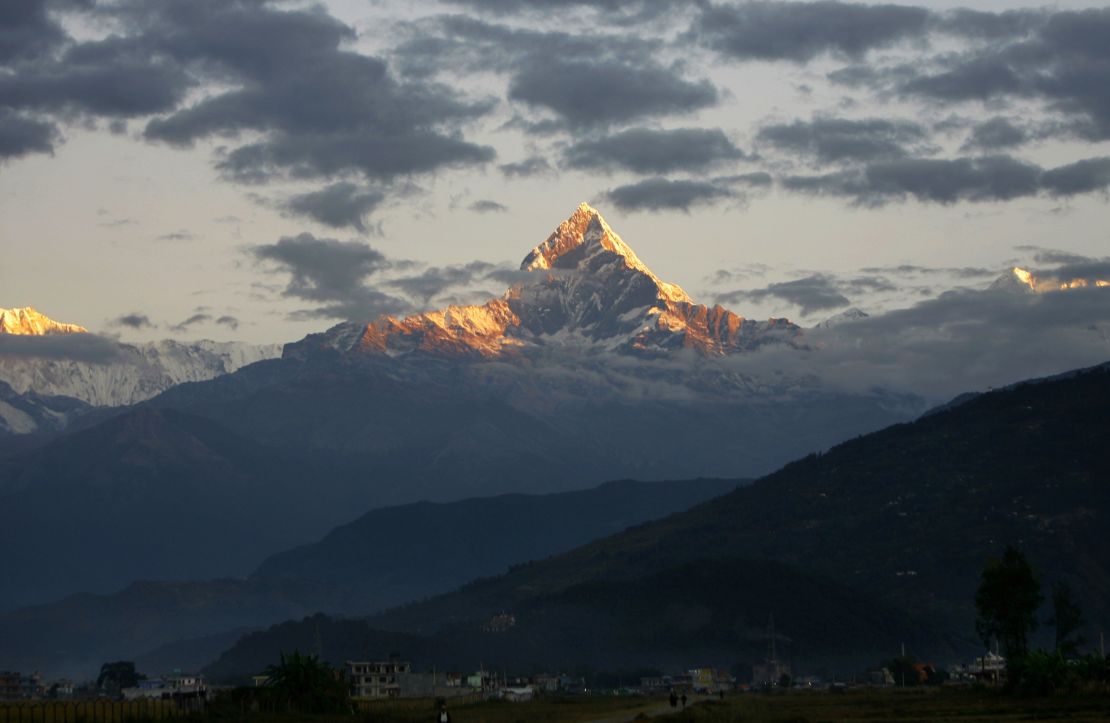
[906, 516]
[386, 557]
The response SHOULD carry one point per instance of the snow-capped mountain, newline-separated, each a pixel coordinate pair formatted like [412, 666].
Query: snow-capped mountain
[30, 412]
[845, 317]
[138, 372]
[134, 373]
[28, 321]
[1023, 281]
[583, 286]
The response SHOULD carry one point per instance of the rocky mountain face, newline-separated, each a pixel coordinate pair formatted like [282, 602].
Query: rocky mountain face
[583, 285]
[31, 412]
[133, 373]
[28, 321]
[1023, 281]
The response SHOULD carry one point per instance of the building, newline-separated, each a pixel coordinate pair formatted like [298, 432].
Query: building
[376, 679]
[11, 685]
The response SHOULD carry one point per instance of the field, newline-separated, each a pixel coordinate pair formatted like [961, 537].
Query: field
[919, 706]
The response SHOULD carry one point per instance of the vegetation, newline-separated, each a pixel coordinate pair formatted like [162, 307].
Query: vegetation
[305, 684]
[1008, 598]
[1067, 619]
[116, 676]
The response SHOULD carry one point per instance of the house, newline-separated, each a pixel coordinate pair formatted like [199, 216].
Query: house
[376, 679]
[517, 695]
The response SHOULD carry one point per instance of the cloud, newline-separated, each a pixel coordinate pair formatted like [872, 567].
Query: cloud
[332, 274]
[531, 166]
[198, 318]
[21, 135]
[177, 236]
[947, 181]
[662, 194]
[338, 205]
[801, 31]
[648, 151]
[488, 206]
[134, 320]
[282, 76]
[812, 293]
[1091, 174]
[995, 134]
[27, 31]
[433, 282]
[596, 93]
[61, 347]
[228, 321]
[837, 140]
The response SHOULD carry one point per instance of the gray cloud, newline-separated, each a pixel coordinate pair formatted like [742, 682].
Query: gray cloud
[1091, 174]
[812, 293]
[995, 134]
[281, 74]
[331, 274]
[487, 206]
[662, 194]
[597, 93]
[134, 320]
[837, 140]
[20, 135]
[177, 236]
[648, 151]
[338, 205]
[27, 30]
[198, 318]
[531, 166]
[75, 347]
[946, 181]
[433, 282]
[801, 31]
[228, 321]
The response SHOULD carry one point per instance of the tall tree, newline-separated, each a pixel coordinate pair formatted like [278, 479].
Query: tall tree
[118, 675]
[1067, 619]
[306, 684]
[1007, 601]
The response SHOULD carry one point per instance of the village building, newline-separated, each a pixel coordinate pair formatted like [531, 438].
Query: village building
[376, 679]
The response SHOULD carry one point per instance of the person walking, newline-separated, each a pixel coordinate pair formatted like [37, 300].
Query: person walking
[444, 716]
[674, 700]
[683, 701]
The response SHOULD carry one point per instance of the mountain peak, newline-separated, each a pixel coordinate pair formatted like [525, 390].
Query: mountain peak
[582, 237]
[27, 321]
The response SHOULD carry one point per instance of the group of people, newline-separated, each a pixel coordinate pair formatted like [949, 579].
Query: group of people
[675, 699]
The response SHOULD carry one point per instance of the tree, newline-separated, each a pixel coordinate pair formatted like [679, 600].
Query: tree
[116, 676]
[307, 685]
[1067, 619]
[1007, 601]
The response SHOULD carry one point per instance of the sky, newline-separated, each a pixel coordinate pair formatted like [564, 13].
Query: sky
[240, 169]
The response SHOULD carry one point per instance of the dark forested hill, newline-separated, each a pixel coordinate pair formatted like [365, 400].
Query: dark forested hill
[905, 516]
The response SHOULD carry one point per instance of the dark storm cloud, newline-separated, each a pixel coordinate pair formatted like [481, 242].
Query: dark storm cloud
[801, 31]
[27, 30]
[73, 347]
[134, 320]
[837, 140]
[20, 135]
[812, 293]
[338, 205]
[648, 151]
[994, 135]
[332, 274]
[531, 166]
[662, 194]
[1091, 174]
[981, 25]
[946, 181]
[487, 206]
[597, 93]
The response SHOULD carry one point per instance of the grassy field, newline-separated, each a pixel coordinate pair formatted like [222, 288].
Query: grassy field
[965, 706]
[921, 706]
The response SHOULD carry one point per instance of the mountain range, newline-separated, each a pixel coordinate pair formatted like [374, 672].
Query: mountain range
[876, 542]
[386, 557]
